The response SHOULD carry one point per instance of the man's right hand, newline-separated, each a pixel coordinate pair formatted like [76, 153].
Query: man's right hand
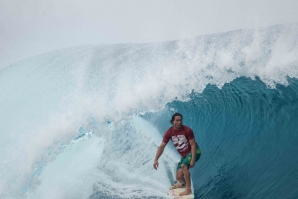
[155, 164]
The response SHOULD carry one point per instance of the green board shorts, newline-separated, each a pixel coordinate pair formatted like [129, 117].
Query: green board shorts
[186, 160]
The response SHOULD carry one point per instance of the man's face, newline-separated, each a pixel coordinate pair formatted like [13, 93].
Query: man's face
[177, 122]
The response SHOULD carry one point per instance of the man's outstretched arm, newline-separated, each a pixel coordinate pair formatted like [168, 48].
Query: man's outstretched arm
[193, 152]
[158, 154]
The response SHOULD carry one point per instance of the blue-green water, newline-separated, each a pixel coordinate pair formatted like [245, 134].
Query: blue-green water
[248, 136]
[86, 122]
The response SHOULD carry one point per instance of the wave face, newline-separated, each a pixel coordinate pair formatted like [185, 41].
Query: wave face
[86, 122]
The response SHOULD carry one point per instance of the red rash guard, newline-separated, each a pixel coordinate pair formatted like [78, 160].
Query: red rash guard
[180, 139]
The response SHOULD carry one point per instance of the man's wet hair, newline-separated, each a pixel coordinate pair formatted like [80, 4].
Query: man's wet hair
[173, 117]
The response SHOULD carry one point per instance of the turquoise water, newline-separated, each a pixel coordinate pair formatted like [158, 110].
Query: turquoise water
[86, 122]
[248, 136]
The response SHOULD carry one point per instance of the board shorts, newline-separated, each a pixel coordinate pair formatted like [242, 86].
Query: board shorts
[187, 159]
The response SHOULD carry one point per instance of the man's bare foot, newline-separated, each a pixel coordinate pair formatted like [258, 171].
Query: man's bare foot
[185, 192]
[177, 185]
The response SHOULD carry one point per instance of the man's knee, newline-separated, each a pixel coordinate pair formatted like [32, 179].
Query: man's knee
[184, 167]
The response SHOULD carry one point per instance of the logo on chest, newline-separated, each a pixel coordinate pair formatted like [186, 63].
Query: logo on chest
[180, 141]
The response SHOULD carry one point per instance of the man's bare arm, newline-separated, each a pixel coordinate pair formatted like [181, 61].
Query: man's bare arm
[158, 154]
[193, 152]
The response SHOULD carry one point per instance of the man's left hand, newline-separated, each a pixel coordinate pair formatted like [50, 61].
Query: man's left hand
[192, 163]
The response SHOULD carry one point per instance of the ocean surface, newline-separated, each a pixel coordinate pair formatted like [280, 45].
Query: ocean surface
[85, 122]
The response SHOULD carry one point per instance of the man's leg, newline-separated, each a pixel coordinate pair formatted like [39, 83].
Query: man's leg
[186, 175]
[179, 176]
[183, 174]
[184, 164]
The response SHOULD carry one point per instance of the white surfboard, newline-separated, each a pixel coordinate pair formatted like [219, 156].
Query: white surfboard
[174, 193]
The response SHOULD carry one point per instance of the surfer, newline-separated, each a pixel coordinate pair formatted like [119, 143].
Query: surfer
[184, 141]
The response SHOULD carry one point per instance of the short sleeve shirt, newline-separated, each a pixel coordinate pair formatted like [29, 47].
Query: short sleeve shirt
[180, 139]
